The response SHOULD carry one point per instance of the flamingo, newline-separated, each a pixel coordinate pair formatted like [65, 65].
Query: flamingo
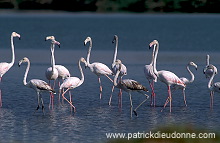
[185, 80]
[115, 67]
[96, 67]
[71, 83]
[4, 66]
[167, 77]
[151, 77]
[129, 85]
[208, 72]
[38, 85]
[213, 87]
[51, 72]
[63, 72]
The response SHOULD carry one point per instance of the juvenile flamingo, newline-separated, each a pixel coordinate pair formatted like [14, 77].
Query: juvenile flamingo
[151, 77]
[167, 77]
[185, 80]
[71, 83]
[213, 87]
[4, 67]
[115, 67]
[96, 67]
[129, 85]
[36, 84]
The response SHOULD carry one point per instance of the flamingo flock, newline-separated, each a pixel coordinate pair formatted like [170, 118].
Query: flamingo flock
[118, 70]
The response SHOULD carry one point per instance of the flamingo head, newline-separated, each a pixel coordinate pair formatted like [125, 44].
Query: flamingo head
[115, 38]
[25, 59]
[88, 39]
[118, 62]
[49, 38]
[14, 34]
[84, 61]
[56, 43]
[153, 43]
[193, 64]
[210, 66]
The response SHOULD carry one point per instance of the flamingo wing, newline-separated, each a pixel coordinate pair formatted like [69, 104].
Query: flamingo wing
[149, 73]
[70, 82]
[4, 67]
[40, 85]
[133, 85]
[217, 86]
[102, 69]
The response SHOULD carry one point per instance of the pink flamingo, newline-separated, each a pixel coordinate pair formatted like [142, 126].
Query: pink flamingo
[185, 80]
[96, 67]
[213, 87]
[36, 84]
[167, 77]
[151, 77]
[71, 83]
[4, 67]
[115, 67]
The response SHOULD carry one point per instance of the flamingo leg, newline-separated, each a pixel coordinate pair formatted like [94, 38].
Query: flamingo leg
[170, 97]
[108, 77]
[211, 99]
[42, 104]
[120, 98]
[153, 102]
[110, 99]
[131, 104]
[0, 98]
[140, 104]
[68, 100]
[184, 97]
[100, 87]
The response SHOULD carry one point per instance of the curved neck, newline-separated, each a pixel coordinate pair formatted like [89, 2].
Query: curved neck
[26, 73]
[152, 58]
[211, 80]
[116, 51]
[156, 48]
[81, 71]
[12, 50]
[116, 77]
[190, 72]
[89, 51]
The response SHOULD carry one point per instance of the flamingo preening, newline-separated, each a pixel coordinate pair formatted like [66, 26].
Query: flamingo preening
[213, 87]
[151, 77]
[4, 66]
[185, 80]
[167, 77]
[129, 85]
[208, 71]
[38, 85]
[96, 67]
[115, 67]
[71, 83]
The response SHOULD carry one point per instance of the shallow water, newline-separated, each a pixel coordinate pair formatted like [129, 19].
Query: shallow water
[94, 117]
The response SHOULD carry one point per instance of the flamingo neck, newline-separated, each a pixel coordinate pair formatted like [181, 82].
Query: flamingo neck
[116, 51]
[12, 50]
[81, 71]
[207, 60]
[211, 80]
[192, 75]
[26, 73]
[52, 57]
[89, 51]
[115, 78]
[152, 59]
[156, 48]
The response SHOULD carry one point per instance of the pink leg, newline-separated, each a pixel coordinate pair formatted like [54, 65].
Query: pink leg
[184, 97]
[153, 100]
[170, 96]
[100, 87]
[120, 98]
[68, 100]
[211, 99]
[110, 99]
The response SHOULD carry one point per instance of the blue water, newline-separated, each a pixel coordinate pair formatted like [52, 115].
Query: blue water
[182, 38]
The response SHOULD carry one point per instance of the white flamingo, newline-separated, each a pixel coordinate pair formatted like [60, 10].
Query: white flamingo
[151, 77]
[115, 67]
[129, 85]
[213, 87]
[36, 84]
[4, 66]
[71, 83]
[96, 67]
[167, 77]
[207, 71]
[185, 80]
[51, 72]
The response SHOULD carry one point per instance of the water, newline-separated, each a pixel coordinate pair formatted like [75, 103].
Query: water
[193, 35]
